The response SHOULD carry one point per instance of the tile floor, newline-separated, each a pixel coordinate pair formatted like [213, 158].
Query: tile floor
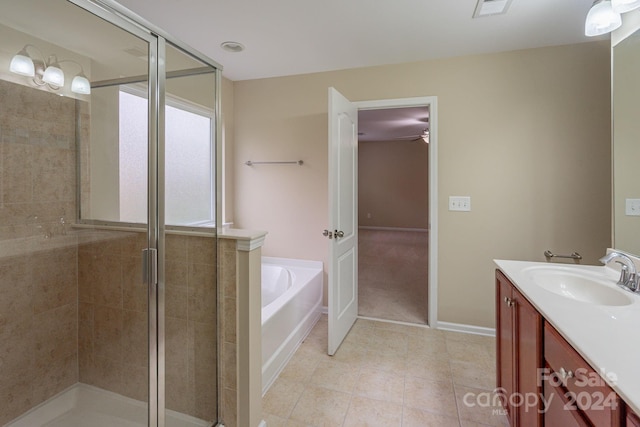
[392, 270]
[387, 374]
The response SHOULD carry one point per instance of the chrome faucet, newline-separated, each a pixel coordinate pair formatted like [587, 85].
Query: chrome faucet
[628, 272]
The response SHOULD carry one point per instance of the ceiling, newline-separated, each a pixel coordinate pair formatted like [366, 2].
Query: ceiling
[286, 37]
[394, 124]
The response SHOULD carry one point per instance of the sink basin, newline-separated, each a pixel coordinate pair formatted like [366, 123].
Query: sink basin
[579, 286]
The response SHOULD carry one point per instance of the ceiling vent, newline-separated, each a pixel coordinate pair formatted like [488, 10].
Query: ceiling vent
[491, 7]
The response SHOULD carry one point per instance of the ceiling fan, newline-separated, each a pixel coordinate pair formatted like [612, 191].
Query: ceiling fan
[424, 136]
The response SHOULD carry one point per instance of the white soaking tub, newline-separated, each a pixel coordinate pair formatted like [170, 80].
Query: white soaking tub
[291, 306]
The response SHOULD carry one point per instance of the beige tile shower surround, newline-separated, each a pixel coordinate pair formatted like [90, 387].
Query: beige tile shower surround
[77, 312]
[386, 374]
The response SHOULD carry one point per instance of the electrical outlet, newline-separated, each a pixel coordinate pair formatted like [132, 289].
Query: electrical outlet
[632, 207]
[459, 203]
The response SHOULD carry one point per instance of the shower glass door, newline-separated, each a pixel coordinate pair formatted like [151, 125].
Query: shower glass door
[78, 337]
[108, 298]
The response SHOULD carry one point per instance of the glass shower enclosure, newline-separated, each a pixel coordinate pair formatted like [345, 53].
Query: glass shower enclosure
[108, 243]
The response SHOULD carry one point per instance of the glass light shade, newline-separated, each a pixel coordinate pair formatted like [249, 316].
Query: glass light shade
[22, 64]
[623, 6]
[601, 19]
[80, 84]
[54, 76]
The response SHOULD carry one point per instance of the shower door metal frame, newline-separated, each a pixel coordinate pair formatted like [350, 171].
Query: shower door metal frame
[154, 274]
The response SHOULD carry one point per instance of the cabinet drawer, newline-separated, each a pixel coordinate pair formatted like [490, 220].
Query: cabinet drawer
[560, 412]
[583, 386]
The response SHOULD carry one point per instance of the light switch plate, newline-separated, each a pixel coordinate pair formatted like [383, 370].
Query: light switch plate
[632, 207]
[459, 203]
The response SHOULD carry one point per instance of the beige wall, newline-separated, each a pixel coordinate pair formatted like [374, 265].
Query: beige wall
[393, 184]
[526, 134]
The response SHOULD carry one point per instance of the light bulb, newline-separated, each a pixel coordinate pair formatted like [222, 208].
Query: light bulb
[22, 64]
[601, 19]
[80, 84]
[53, 73]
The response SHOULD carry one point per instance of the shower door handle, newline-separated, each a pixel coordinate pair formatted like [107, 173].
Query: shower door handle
[150, 256]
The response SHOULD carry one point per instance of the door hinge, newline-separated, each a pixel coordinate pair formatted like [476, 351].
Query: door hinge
[150, 266]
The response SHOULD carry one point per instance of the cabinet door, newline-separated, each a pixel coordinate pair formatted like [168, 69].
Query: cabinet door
[579, 383]
[560, 412]
[632, 419]
[505, 354]
[528, 357]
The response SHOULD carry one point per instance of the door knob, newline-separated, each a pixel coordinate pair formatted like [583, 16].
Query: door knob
[328, 234]
[338, 233]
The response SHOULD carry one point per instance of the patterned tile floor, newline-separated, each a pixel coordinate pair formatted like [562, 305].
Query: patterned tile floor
[387, 374]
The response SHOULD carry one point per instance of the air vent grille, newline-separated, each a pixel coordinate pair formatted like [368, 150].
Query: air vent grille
[491, 7]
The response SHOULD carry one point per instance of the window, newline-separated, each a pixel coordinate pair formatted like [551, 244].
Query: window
[189, 160]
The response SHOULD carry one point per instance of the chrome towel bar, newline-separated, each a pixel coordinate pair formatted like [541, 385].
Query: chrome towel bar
[295, 162]
[550, 254]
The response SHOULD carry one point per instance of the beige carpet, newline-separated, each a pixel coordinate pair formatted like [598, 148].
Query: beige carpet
[393, 267]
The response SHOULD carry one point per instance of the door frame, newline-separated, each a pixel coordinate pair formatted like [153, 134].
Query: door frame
[432, 103]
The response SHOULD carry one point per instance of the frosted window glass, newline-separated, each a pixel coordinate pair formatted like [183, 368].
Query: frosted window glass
[133, 158]
[188, 171]
[188, 164]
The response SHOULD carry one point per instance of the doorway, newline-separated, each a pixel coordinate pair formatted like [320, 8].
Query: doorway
[393, 206]
[343, 209]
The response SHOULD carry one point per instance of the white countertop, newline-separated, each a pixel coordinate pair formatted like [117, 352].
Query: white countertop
[608, 337]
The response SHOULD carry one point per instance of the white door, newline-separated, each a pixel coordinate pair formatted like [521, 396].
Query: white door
[343, 218]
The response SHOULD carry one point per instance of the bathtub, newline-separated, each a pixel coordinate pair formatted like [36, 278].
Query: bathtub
[291, 306]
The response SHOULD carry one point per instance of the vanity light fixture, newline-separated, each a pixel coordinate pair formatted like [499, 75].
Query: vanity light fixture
[623, 6]
[601, 19]
[48, 72]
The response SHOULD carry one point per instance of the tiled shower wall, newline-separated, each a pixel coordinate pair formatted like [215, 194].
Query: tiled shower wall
[113, 320]
[79, 313]
[38, 287]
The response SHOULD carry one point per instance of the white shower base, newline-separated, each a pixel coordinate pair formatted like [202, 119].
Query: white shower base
[83, 405]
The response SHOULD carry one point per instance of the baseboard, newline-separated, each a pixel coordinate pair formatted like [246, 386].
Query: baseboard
[444, 326]
[419, 230]
[467, 329]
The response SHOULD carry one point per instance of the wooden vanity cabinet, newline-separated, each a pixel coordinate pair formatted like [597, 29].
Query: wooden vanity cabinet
[534, 359]
[632, 420]
[519, 353]
[574, 389]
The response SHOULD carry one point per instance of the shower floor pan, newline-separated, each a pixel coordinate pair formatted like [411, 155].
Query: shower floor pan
[83, 405]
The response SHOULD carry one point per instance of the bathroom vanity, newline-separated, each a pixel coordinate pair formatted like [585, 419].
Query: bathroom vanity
[567, 346]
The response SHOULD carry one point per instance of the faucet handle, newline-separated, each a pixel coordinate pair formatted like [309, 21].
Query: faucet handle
[624, 274]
